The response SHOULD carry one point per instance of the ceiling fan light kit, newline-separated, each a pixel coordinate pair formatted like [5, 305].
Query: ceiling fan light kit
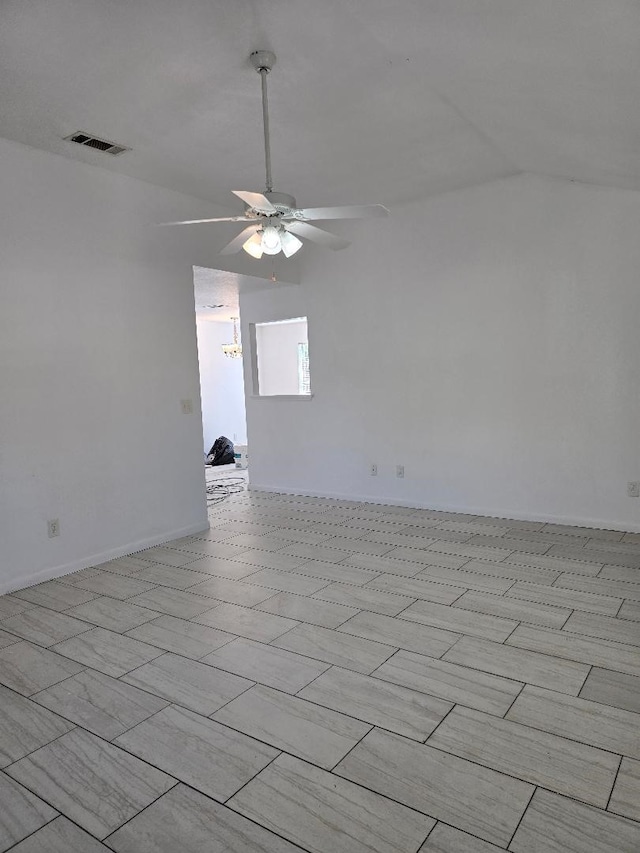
[274, 221]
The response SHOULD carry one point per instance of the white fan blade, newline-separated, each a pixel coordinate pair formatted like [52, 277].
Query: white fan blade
[200, 221]
[236, 244]
[257, 201]
[362, 211]
[317, 235]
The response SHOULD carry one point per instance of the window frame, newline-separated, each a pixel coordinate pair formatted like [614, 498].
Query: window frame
[253, 364]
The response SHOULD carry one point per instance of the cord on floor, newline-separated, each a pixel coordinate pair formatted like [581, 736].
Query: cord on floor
[220, 488]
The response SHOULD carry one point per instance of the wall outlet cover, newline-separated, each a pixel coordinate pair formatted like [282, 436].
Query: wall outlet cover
[399, 470]
[53, 527]
[633, 489]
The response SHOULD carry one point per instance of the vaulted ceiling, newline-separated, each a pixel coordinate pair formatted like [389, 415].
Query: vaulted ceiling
[371, 100]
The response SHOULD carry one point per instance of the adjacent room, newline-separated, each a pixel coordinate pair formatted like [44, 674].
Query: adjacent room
[219, 359]
[388, 254]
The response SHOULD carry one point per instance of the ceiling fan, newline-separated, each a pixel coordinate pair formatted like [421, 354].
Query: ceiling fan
[274, 221]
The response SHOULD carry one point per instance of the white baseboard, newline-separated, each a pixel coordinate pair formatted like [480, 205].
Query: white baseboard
[489, 512]
[103, 557]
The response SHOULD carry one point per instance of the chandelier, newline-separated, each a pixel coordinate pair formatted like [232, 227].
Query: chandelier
[233, 350]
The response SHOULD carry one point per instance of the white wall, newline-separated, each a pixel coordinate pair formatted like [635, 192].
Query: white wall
[221, 385]
[493, 349]
[97, 349]
[277, 345]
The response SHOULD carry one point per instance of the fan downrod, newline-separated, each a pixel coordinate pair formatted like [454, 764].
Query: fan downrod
[263, 61]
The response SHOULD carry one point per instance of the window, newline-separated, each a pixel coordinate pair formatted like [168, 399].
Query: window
[304, 380]
[280, 358]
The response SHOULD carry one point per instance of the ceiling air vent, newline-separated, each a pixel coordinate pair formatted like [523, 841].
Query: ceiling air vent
[93, 142]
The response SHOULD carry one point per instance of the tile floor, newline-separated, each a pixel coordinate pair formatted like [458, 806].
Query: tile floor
[332, 677]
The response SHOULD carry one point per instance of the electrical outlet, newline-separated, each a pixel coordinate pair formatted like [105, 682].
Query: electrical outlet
[399, 470]
[633, 490]
[53, 527]
[373, 470]
[187, 407]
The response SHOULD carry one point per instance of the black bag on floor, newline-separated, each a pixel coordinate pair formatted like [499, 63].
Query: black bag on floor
[222, 452]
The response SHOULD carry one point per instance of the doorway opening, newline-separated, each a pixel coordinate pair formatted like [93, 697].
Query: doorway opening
[221, 380]
[223, 367]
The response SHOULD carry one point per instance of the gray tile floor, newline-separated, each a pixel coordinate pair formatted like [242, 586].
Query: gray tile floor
[332, 677]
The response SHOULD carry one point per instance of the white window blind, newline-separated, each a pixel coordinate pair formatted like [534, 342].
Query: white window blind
[304, 379]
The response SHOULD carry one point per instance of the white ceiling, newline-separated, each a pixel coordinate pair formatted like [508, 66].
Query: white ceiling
[217, 292]
[371, 100]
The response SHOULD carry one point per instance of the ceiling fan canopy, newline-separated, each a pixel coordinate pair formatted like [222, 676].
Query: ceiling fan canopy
[274, 222]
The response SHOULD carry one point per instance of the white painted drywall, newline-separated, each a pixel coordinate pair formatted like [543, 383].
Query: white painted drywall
[97, 350]
[221, 385]
[493, 349]
[277, 352]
